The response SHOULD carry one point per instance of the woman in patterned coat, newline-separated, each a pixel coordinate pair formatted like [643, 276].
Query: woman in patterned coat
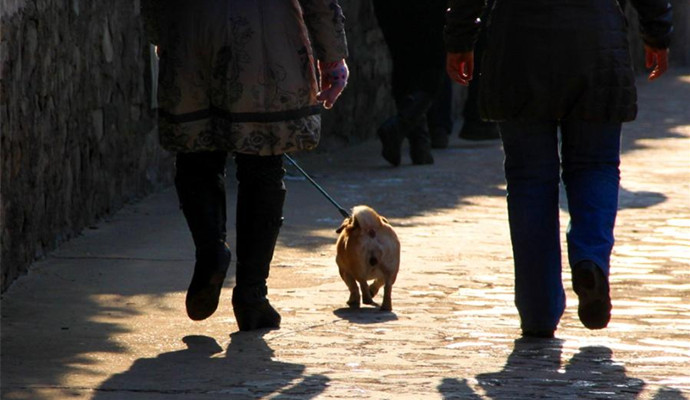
[239, 77]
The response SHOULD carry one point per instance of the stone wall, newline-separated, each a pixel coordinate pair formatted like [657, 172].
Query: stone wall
[78, 133]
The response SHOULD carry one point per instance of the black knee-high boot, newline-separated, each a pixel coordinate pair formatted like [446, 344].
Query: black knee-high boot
[260, 198]
[200, 184]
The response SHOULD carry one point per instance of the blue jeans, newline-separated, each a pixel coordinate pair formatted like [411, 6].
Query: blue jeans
[589, 158]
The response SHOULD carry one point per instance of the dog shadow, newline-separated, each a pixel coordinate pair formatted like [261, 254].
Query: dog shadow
[365, 315]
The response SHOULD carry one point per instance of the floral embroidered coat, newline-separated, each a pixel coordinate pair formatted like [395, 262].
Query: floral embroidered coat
[239, 75]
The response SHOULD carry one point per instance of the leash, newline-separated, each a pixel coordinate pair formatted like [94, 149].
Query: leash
[342, 211]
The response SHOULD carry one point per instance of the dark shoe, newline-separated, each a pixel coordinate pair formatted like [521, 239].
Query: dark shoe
[420, 146]
[541, 334]
[209, 273]
[439, 138]
[420, 153]
[391, 140]
[479, 130]
[257, 316]
[592, 288]
[252, 309]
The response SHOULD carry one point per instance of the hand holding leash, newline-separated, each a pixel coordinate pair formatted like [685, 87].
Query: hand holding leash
[333, 80]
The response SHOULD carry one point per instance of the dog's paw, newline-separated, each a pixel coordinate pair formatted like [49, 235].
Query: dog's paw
[371, 302]
[353, 304]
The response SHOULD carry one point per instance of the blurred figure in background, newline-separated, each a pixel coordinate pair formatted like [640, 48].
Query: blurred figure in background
[413, 31]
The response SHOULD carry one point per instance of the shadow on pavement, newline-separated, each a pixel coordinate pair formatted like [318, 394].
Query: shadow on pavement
[662, 108]
[246, 370]
[639, 199]
[533, 370]
[365, 315]
[669, 394]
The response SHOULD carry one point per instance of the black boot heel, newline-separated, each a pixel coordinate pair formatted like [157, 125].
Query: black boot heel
[252, 309]
[256, 316]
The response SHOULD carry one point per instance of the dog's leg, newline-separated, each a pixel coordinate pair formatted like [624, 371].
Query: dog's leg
[375, 286]
[366, 296]
[351, 283]
[387, 302]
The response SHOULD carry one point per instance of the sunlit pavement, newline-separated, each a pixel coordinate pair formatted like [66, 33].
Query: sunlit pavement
[103, 317]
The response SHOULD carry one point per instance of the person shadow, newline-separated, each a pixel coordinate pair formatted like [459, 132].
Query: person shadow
[627, 199]
[533, 370]
[639, 199]
[246, 370]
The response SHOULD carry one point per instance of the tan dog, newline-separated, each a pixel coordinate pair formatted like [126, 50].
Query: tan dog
[367, 248]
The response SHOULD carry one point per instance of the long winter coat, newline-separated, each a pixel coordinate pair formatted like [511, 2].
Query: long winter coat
[556, 59]
[239, 75]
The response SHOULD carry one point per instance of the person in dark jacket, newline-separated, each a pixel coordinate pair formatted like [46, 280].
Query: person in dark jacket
[550, 65]
[413, 31]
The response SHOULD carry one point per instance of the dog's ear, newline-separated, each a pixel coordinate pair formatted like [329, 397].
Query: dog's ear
[384, 220]
[349, 223]
[342, 226]
[355, 224]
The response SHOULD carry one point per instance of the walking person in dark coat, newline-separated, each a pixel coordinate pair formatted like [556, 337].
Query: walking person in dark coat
[239, 77]
[413, 31]
[550, 65]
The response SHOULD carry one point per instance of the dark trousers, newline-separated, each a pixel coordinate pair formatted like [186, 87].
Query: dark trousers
[413, 31]
[440, 112]
[589, 158]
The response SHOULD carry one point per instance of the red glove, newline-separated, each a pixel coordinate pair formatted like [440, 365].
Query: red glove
[460, 67]
[333, 80]
[657, 59]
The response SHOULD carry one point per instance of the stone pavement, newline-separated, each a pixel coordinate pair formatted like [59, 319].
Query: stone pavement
[103, 317]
